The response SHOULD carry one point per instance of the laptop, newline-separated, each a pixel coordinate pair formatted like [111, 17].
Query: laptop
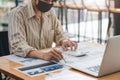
[100, 65]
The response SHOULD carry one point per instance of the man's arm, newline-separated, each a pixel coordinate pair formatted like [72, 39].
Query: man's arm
[19, 45]
[58, 34]
[61, 38]
[17, 35]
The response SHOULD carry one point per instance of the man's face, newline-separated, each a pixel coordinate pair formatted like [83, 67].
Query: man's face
[44, 5]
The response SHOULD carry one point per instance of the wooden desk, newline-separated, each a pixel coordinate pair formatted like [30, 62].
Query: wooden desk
[7, 67]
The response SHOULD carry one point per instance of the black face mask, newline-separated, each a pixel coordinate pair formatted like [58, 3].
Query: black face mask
[43, 6]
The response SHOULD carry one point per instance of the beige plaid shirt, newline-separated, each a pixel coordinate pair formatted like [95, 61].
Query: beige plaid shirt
[27, 33]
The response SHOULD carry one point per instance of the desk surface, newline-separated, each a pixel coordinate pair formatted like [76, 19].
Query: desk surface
[7, 67]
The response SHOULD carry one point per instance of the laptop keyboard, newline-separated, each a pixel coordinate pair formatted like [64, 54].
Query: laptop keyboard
[94, 68]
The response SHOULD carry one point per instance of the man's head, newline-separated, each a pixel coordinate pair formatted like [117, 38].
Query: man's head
[44, 5]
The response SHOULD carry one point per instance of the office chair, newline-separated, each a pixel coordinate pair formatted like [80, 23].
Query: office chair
[4, 46]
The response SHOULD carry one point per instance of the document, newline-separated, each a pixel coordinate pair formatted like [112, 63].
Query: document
[67, 75]
[25, 61]
[40, 69]
[33, 67]
[81, 55]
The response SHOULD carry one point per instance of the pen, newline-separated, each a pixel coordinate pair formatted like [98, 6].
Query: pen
[64, 60]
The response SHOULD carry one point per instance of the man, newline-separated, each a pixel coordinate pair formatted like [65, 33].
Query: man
[34, 26]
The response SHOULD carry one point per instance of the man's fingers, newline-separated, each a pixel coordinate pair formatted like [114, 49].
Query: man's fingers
[56, 54]
[70, 45]
[64, 46]
[74, 46]
[54, 58]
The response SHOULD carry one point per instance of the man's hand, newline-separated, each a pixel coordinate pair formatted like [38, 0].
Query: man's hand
[67, 43]
[52, 55]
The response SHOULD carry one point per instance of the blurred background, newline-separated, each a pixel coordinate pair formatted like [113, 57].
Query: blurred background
[82, 20]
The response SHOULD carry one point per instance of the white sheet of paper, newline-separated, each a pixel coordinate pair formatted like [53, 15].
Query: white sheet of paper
[25, 61]
[91, 51]
[67, 75]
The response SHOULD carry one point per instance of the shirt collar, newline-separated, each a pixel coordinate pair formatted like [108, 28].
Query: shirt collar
[31, 12]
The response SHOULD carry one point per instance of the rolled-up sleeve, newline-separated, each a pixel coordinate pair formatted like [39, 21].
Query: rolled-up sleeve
[59, 34]
[17, 35]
